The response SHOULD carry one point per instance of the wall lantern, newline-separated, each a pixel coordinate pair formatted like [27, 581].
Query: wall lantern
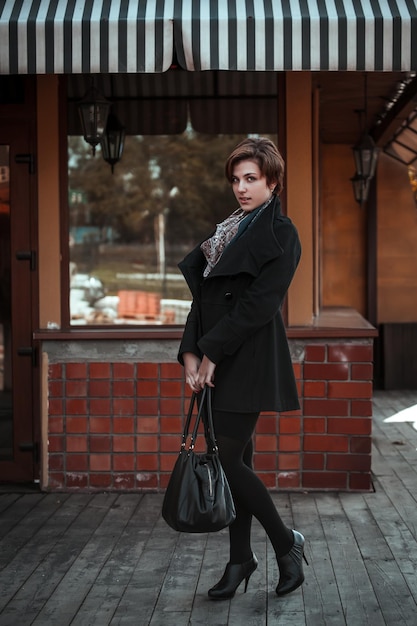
[112, 141]
[366, 157]
[360, 186]
[93, 110]
[365, 153]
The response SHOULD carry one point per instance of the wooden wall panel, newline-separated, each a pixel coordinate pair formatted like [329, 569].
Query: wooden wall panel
[343, 233]
[397, 244]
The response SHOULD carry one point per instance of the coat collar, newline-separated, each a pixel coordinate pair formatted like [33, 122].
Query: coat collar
[257, 245]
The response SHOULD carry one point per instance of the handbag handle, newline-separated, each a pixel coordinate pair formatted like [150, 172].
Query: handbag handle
[188, 420]
[206, 416]
[209, 426]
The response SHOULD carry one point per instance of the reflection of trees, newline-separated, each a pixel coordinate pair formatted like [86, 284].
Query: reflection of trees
[151, 166]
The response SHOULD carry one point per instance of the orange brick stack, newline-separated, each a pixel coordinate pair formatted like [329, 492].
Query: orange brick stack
[139, 304]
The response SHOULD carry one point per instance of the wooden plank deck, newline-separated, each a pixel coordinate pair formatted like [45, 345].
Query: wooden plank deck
[109, 558]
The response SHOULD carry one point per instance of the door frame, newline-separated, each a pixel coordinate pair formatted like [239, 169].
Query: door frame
[18, 129]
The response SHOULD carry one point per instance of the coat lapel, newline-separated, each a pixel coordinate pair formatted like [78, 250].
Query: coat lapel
[192, 267]
[256, 246]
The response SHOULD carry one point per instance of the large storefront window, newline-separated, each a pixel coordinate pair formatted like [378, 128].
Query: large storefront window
[129, 229]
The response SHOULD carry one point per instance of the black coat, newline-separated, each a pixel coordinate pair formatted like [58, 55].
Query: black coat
[235, 318]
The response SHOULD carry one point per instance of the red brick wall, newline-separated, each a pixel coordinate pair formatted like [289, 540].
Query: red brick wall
[117, 425]
[337, 416]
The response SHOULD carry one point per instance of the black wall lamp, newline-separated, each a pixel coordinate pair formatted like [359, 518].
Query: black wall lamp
[360, 188]
[365, 153]
[94, 110]
[112, 141]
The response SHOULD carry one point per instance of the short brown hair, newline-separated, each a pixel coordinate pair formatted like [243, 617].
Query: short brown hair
[265, 153]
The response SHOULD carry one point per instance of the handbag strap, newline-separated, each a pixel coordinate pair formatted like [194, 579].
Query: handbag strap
[197, 420]
[204, 414]
[209, 426]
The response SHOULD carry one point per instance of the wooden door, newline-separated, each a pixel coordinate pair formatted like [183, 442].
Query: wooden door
[18, 445]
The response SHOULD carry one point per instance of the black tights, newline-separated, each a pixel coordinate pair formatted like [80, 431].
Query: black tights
[234, 439]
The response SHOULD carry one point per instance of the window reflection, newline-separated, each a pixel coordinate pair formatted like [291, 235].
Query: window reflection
[129, 230]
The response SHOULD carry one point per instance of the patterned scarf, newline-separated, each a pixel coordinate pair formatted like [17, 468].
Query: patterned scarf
[213, 247]
[225, 231]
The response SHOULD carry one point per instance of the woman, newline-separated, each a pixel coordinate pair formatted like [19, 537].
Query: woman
[234, 341]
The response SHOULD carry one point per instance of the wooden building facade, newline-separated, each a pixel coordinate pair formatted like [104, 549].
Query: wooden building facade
[100, 406]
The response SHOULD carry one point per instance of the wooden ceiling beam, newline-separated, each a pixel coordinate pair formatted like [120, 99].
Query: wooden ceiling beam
[401, 108]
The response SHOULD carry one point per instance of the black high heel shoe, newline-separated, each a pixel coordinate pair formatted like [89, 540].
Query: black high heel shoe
[291, 574]
[233, 575]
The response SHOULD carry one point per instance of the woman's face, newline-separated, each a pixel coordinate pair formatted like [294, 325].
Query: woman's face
[250, 186]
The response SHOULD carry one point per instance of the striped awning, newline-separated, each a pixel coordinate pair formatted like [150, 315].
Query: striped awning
[114, 36]
[85, 36]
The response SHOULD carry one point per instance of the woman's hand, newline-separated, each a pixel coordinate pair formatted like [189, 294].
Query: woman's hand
[191, 367]
[206, 373]
[198, 373]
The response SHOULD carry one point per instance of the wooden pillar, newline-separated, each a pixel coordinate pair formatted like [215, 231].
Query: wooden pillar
[299, 192]
[48, 200]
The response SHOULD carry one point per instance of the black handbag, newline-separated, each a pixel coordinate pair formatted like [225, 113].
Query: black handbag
[198, 497]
